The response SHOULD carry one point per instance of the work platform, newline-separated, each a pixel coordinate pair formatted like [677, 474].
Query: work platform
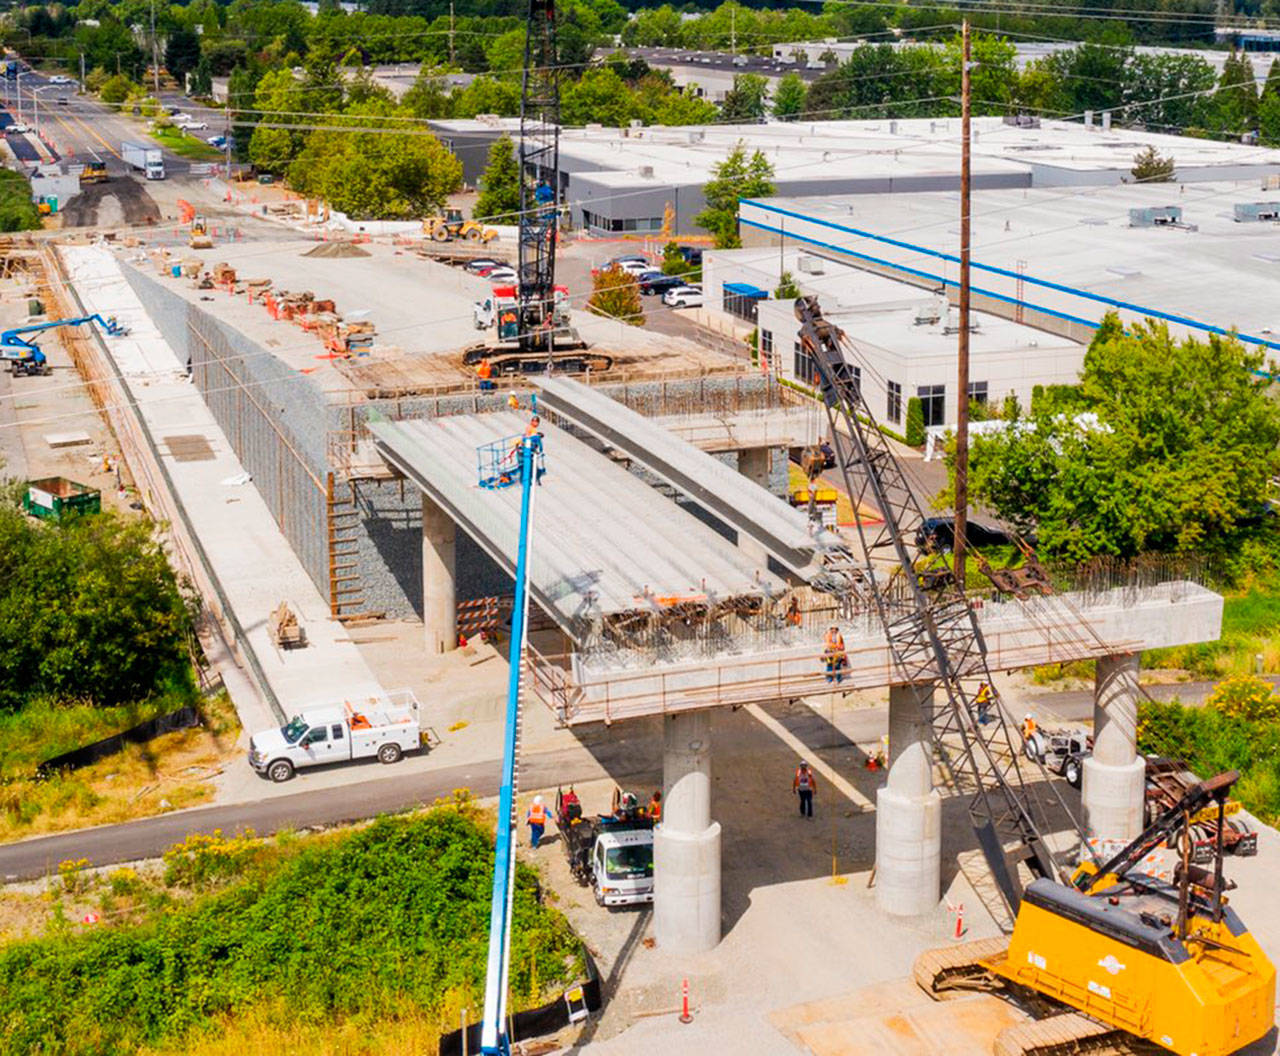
[785, 663]
[604, 542]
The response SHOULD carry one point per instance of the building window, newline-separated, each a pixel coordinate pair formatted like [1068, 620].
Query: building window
[933, 403]
[895, 401]
[978, 392]
[766, 342]
[806, 370]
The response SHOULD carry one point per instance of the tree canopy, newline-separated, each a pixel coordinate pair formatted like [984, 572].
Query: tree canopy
[500, 185]
[1177, 459]
[738, 176]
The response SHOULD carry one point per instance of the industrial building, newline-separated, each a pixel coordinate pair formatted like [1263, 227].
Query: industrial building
[1200, 258]
[622, 181]
[905, 335]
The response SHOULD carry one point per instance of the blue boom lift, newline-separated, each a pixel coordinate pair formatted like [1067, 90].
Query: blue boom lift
[25, 357]
[506, 463]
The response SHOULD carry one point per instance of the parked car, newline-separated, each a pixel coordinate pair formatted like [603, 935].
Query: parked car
[652, 282]
[638, 258]
[179, 118]
[683, 297]
[481, 266]
[692, 255]
[502, 275]
[18, 128]
[939, 533]
[195, 126]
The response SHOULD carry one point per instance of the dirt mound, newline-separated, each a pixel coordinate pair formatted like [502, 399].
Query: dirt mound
[336, 249]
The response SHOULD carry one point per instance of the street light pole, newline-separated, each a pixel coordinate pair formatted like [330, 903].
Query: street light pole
[155, 52]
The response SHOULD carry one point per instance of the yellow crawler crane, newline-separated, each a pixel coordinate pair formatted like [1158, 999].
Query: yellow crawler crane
[1165, 961]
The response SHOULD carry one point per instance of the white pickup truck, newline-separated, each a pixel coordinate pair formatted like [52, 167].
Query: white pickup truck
[334, 733]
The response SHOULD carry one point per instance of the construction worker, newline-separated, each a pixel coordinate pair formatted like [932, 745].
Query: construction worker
[570, 805]
[983, 700]
[1028, 727]
[834, 655]
[804, 786]
[537, 819]
[1031, 737]
[534, 428]
[655, 807]
[484, 372]
[513, 402]
[793, 612]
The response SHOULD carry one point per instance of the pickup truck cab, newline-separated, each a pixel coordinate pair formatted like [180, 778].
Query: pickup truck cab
[337, 733]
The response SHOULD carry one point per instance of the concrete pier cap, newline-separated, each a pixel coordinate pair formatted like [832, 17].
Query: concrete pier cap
[909, 810]
[686, 846]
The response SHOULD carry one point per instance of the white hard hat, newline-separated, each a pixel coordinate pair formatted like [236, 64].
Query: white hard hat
[537, 801]
[1027, 715]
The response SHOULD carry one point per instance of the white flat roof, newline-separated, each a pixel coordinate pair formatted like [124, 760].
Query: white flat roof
[1055, 151]
[1075, 248]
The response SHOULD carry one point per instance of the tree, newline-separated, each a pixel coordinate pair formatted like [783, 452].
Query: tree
[500, 185]
[746, 100]
[116, 89]
[201, 82]
[1235, 103]
[376, 175]
[429, 96]
[789, 97]
[273, 149]
[599, 96]
[615, 294]
[787, 289]
[181, 53]
[1272, 85]
[673, 262]
[1179, 459]
[738, 176]
[485, 95]
[682, 108]
[1150, 167]
[915, 434]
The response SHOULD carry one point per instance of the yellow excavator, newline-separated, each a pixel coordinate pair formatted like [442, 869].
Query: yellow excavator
[1115, 957]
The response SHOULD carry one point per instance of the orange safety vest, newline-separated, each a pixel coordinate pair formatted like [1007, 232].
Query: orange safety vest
[532, 430]
[804, 780]
[485, 370]
[984, 694]
[834, 642]
[1028, 728]
[537, 814]
[655, 810]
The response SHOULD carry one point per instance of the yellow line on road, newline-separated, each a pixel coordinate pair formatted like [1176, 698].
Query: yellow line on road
[94, 132]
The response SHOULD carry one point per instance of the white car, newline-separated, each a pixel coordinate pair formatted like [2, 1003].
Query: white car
[195, 126]
[633, 267]
[501, 276]
[61, 78]
[180, 118]
[683, 297]
[17, 128]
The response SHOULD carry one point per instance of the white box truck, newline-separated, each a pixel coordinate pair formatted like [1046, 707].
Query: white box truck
[384, 728]
[147, 160]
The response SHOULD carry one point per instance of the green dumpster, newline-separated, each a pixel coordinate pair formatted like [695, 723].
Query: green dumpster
[52, 497]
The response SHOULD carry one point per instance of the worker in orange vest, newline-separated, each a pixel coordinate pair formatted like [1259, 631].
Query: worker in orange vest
[537, 819]
[484, 371]
[534, 427]
[834, 655]
[805, 786]
[983, 700]
[655, 807]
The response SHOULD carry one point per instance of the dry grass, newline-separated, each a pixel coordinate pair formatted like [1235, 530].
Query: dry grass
[173, 771]
[273, 1027]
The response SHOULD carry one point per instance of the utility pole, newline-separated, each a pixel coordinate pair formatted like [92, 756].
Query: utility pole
[733, 30]
[226, 133]
[451, 54]
[155, 53]
[962, 396]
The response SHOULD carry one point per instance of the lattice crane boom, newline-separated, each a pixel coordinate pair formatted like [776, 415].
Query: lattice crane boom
[933, 635]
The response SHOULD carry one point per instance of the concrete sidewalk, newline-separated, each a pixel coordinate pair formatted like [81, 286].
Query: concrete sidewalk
[254, 565]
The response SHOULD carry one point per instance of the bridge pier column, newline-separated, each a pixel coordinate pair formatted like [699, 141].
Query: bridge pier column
[1115, 775]
[686, 846]
[439, 594]
[909, 810]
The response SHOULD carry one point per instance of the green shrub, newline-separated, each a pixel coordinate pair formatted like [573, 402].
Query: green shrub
[915, 422]
[116, 89]
[90, 610]
[1249, 698]
[392, 917]
[17, 211]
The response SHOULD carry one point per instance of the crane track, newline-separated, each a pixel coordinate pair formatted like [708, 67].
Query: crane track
[1069, 1034]
[957, 967]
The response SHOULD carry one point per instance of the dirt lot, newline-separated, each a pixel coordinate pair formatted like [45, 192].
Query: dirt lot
[120, 202]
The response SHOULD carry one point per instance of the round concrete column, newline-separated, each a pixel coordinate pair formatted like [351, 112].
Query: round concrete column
[1114, 776]
[439, 594]
[686, 846]
[909, 811]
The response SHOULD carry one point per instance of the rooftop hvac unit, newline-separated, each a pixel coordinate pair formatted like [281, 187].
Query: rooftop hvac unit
[1271, 182]
[810, 264]
[636, 123]
[1156, 216]
[646, 171]
[595, 127]
[1253, 212]
[697, 137]
[930, 313]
